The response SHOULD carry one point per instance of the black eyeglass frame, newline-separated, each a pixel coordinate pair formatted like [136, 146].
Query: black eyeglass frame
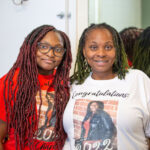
[50, 48]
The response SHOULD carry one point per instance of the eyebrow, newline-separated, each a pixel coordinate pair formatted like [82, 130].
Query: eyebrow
[106, 42]
[94, 42]
[110, 42]
[44, 42]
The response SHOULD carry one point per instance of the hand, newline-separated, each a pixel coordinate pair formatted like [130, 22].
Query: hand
[3, 133]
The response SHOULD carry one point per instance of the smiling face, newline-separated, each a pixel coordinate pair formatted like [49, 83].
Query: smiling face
[100, 53]
[93, 107]
[48, 62]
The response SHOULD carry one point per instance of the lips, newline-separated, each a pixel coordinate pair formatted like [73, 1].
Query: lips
[48, 61]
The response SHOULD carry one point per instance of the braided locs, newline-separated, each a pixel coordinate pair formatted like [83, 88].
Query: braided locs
[82, 69]
[141, 56]
[20, 101]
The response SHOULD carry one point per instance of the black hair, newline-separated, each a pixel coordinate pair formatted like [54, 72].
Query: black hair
[141, 57]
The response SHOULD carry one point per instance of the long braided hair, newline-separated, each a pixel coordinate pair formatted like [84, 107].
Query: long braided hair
[141, 56]
[129, 36]
[82, 69]
[20, 101]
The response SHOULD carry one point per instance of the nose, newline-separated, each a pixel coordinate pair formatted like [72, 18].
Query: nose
[101, 52]
[50, 53]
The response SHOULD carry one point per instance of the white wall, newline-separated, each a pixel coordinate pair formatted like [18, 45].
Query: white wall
[118, 13]
[18, 21]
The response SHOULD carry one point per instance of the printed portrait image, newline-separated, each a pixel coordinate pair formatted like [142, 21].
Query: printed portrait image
[47, 118]
[94, 124]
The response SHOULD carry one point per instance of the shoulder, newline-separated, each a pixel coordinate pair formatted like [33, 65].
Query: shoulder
[136, 74]
[76, 85]
[137, 78]
[14, 78]
[2, 79]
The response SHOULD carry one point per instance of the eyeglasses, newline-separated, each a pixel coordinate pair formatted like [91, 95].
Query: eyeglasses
[44, 48]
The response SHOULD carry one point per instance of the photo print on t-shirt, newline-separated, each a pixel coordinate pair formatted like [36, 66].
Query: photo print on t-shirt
[94, 124]
[47, 118]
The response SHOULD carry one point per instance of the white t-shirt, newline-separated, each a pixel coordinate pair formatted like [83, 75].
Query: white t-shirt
[109, 114]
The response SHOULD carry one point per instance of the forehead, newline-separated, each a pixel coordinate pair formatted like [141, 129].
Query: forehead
[99, 34]
[52, 37]
[94, 104]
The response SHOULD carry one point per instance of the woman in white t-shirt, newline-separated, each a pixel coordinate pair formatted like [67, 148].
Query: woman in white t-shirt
[102, 75]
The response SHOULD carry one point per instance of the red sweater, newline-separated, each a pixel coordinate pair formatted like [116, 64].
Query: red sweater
[46, 119]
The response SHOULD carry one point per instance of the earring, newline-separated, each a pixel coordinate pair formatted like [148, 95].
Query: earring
[85, 62]
[87, 68]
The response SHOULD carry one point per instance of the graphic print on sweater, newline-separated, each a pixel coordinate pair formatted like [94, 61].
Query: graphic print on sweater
[94, 124]
[47, 116]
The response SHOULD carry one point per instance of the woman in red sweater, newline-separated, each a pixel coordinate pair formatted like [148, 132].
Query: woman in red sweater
[34, 93]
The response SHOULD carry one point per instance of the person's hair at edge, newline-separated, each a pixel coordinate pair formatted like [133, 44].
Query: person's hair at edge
[129, 36]
[22, 116]
[141, 56]
[89, 112]
[99, 104]
[82, 69]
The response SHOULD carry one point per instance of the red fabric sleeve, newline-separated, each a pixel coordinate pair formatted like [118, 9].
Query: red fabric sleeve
[2, 102]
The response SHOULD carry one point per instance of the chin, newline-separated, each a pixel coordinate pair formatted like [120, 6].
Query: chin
[48, 68]
[100, 70]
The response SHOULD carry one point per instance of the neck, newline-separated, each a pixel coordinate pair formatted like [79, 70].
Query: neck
[103, 76]
[46, 72]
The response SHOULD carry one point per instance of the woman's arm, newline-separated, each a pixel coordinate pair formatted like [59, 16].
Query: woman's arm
[3, 133]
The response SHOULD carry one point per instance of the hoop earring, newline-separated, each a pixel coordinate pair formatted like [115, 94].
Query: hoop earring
[86, 66]
[85, 62]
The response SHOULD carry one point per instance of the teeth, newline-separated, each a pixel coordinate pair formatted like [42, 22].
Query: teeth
[101, 61]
